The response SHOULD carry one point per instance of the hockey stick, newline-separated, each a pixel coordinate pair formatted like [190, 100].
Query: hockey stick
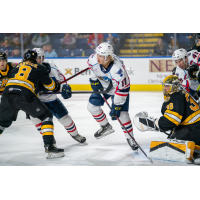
[181, 87]
[87, 92]
[75, 75]
[127, 130]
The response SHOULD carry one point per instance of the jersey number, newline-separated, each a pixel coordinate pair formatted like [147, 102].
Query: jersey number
[23, 73]
[194, 55]
[124, 82]
[195, 105]
[170, 106]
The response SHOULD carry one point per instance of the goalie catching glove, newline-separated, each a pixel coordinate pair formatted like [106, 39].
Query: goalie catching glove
[145, 123]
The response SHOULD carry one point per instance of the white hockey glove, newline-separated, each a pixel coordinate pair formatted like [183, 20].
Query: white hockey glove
[145, 123]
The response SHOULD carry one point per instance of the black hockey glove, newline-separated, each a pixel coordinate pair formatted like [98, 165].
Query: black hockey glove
[66, 91]
[96, 85]
[115, 111]
[191, 69]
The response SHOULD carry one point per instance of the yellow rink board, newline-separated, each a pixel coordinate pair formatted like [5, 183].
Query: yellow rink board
[132, 88]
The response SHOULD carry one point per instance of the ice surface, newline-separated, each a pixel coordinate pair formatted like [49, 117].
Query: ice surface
[22, 145]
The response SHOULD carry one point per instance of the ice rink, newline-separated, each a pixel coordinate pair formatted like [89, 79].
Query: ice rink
[22, 145]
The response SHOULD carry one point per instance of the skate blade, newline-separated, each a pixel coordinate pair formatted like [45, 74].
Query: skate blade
[135, 151]
[55, 155]
[84, 143]
[107, 133]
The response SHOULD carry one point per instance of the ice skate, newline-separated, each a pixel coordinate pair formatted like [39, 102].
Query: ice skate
[132, 144]
[103, 131]
[79, 138]
[53, 152]
[54, 144]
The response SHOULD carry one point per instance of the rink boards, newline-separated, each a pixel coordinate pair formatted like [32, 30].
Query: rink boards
[146, 74]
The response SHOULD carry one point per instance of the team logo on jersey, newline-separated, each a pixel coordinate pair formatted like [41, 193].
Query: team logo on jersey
[37, 109]
[167, 99]
[104, 78]
[120, 73]
[11, 89]
[13, 64]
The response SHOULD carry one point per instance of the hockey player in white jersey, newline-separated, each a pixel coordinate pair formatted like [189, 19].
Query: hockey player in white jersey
[106, 67]
[53, 103]
[193, 57]
[182, 59]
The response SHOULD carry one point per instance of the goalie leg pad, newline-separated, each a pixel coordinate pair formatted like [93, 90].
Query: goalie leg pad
[172, 150]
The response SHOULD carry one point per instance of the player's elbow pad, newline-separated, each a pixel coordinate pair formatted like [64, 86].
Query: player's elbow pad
[57, 86]
[54, 86]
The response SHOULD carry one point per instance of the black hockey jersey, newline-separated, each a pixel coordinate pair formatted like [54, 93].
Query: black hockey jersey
[179, 109]
[4, 75]
[25, 79]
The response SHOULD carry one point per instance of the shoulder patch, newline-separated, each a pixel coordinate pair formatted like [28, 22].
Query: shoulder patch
[167, 99]
[120, 73]
[13, 64]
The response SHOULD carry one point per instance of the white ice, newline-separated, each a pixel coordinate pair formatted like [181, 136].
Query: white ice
[22, 145]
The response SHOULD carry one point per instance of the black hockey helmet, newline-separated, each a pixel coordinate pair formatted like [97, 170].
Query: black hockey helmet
[30, 55]
[3, 56]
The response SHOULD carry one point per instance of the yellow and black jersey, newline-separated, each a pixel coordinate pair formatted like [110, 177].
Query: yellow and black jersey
[4, 75]
[179, 109]
[26, 77]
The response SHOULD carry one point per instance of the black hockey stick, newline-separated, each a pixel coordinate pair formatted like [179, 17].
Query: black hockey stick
[127, 130]
[181, 87]
[75, 75]
[87, 92]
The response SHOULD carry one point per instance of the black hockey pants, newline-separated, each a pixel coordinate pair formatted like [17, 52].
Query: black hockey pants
[12, 103]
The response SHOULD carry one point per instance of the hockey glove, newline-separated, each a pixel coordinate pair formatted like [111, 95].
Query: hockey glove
[115, 111]
[145, 123]
[193, 68]
[96, 85]
[66, 91]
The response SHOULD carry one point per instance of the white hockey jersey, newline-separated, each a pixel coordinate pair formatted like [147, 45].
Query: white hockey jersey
[116, 73]
[186, 80]
[56, 75]
[194, 57]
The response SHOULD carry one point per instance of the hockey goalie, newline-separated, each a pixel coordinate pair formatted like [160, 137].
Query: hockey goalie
[180, 117]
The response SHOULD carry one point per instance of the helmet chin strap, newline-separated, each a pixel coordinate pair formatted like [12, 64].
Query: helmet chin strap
[105, 60]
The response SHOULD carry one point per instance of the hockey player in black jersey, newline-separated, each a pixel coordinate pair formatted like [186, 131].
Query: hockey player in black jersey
[20, 94]
[181, 114]
[5, 70]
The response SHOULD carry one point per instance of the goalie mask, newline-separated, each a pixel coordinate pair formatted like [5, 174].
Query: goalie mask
[173, 83]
